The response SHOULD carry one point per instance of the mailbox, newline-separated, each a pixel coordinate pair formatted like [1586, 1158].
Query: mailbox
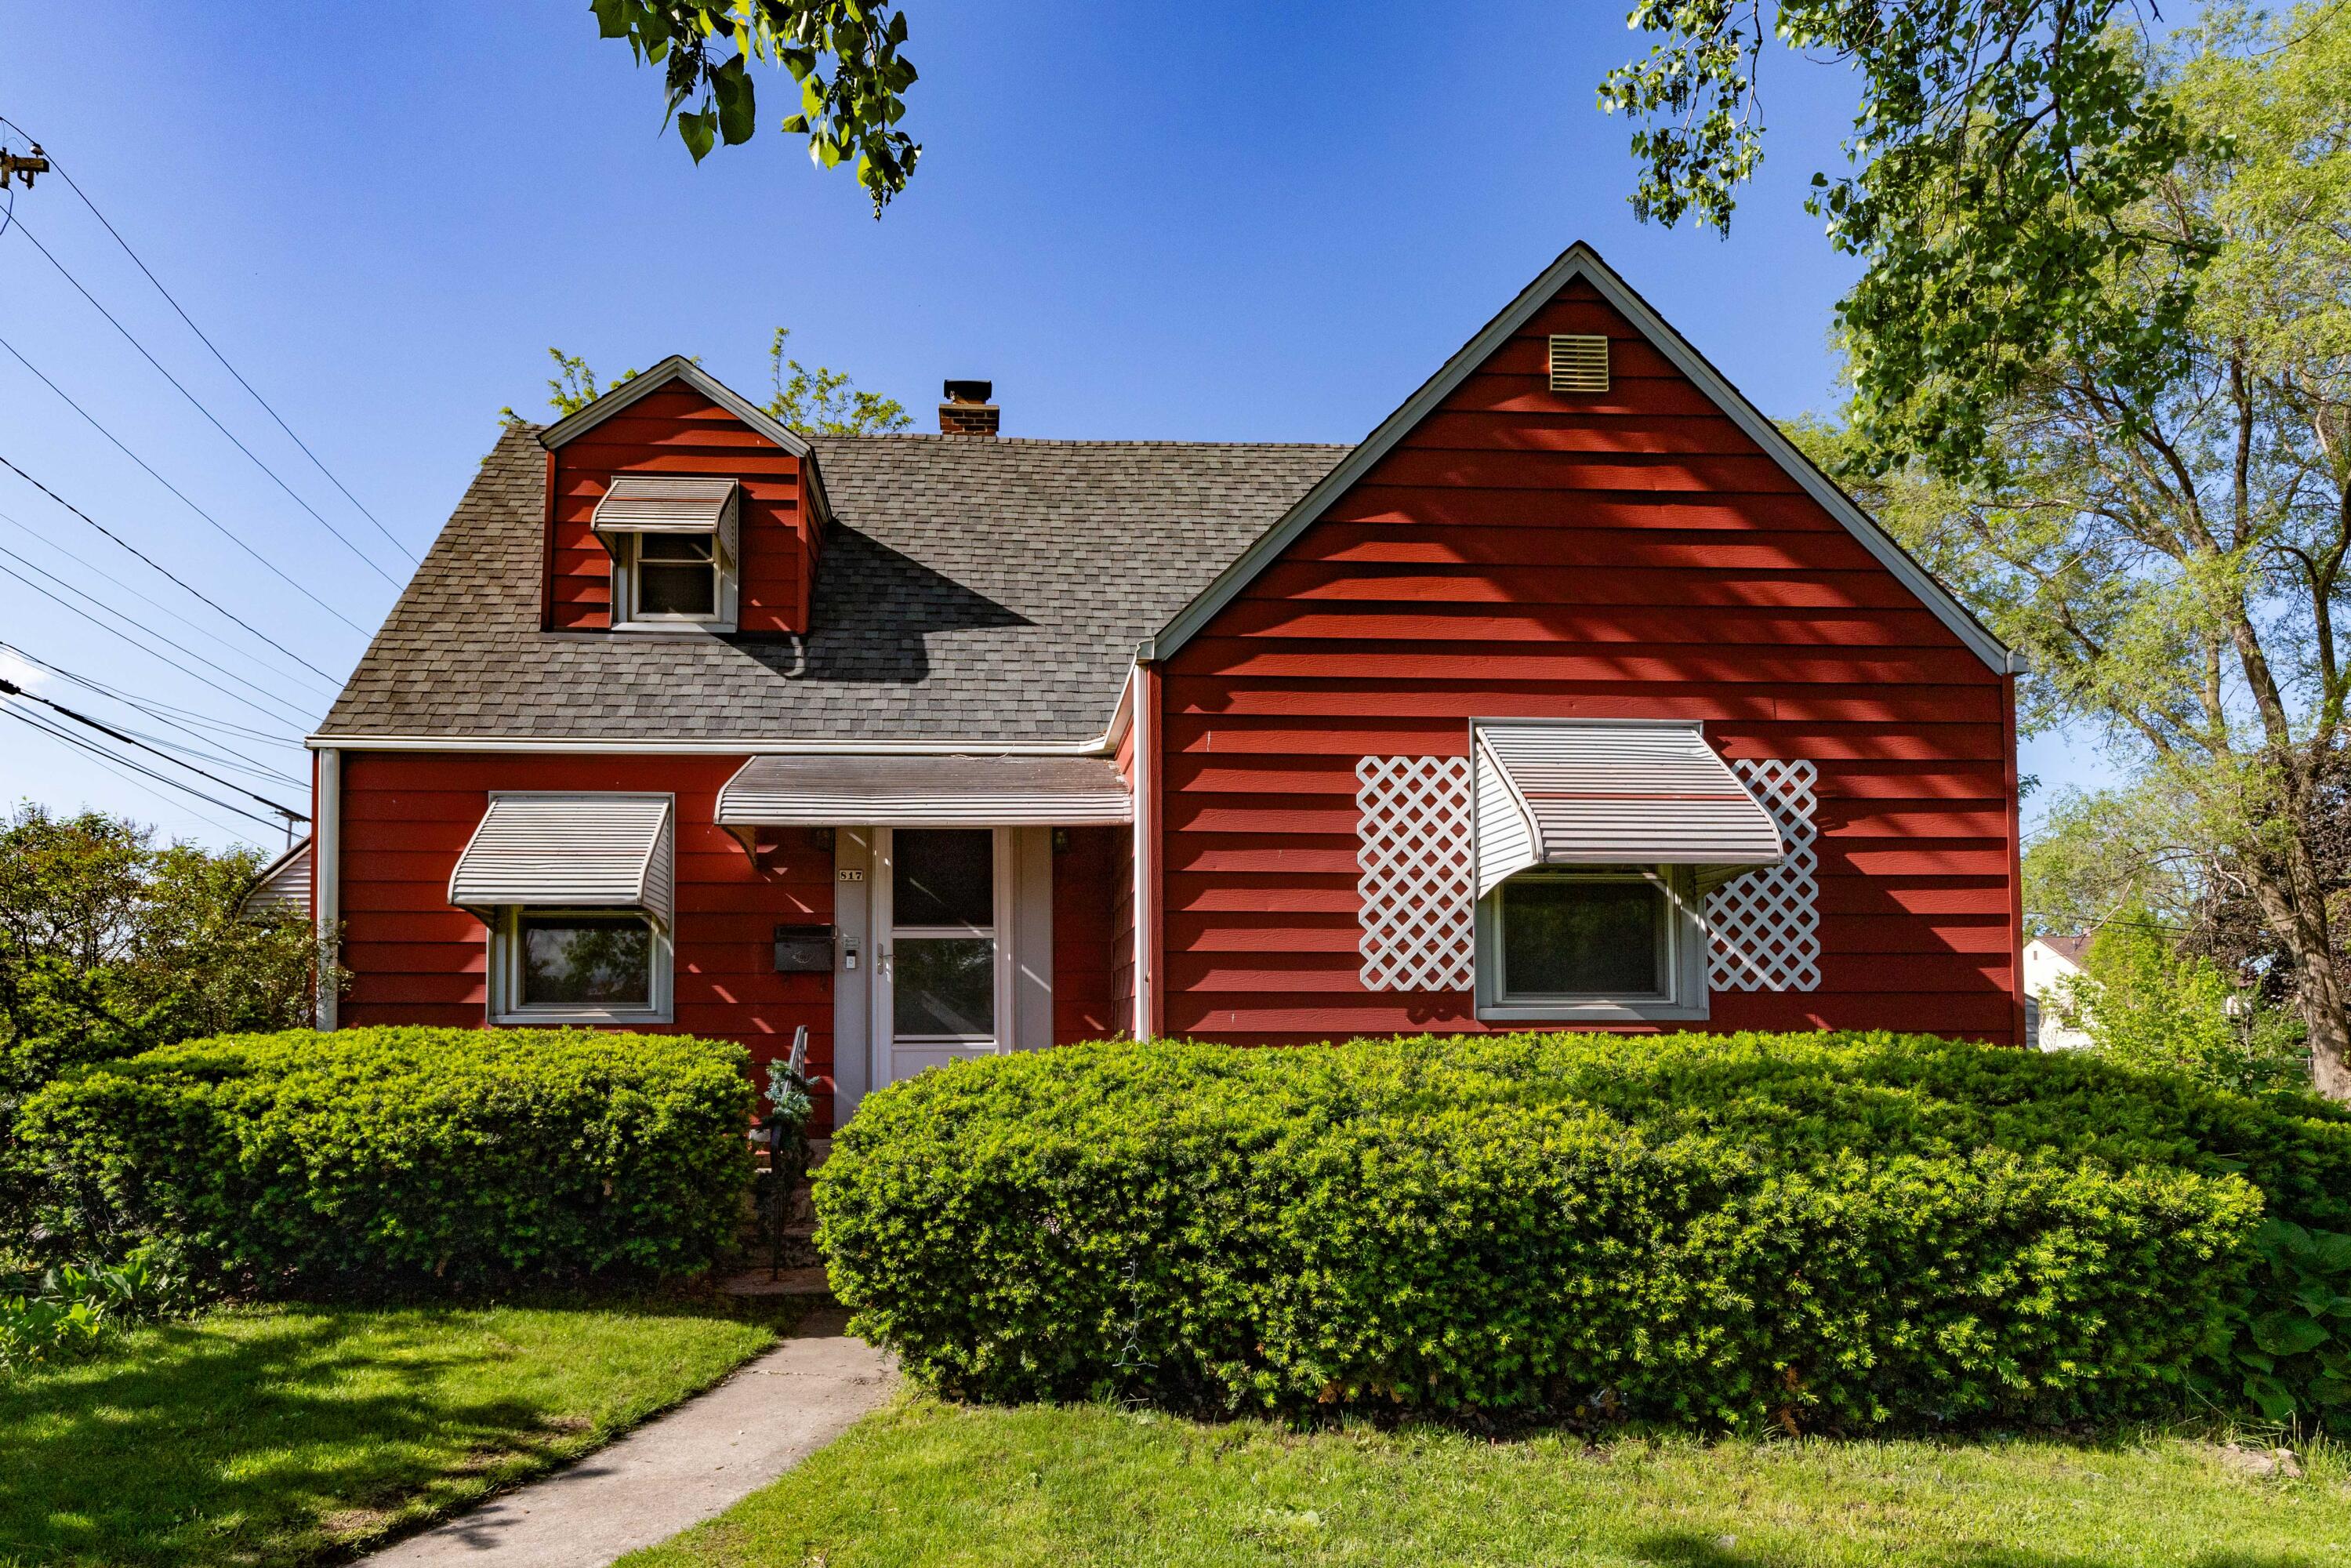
[804, 949]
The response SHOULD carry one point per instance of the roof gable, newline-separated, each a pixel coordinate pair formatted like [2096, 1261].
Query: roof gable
[676, 367]
[1581, 261]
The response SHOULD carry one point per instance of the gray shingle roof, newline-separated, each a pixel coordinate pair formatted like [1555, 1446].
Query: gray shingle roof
[971, 589]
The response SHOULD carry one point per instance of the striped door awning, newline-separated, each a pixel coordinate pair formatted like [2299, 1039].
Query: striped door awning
[833, 790]
[584, 850]
[1612, 792]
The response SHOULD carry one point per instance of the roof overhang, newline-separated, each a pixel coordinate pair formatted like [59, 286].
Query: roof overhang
[1579, 260]
[1615, 792]
[676, 367]
[569, 850]
[843, 790]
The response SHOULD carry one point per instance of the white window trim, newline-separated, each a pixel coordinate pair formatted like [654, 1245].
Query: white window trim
[1686, 998]
[726, 597]
[506, 975]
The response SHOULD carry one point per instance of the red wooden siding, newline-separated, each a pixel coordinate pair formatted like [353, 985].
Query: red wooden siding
[1628, 554]
[1086, 892]
[416, 960]
[678, 431]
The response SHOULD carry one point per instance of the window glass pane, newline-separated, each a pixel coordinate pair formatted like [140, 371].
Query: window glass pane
[944, 876]
[1566, 937]
[944, 985]
[585, 960]
[664, 589]
[673, 547]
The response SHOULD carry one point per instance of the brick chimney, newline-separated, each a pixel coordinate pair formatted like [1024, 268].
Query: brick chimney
[966, 410]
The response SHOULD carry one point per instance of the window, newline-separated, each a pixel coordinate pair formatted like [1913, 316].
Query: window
[1601, 944]
[943, 920]
[677, 574]
[669, 577]
[578, 966]
[675, 541]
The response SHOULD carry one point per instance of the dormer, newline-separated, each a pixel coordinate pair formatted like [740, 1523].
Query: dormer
[674, 504]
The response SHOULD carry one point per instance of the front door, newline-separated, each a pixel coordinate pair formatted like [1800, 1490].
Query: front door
[942, 908]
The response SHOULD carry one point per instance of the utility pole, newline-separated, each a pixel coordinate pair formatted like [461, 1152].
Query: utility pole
[22, 166]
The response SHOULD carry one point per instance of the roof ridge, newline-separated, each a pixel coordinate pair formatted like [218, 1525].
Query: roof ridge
[991, 442]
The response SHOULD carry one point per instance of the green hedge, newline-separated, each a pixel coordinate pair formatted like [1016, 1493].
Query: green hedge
[382, 1157]
[1798, 1231]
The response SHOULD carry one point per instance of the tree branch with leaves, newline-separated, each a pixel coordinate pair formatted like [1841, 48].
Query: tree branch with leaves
[2161, 522]
[845, 56]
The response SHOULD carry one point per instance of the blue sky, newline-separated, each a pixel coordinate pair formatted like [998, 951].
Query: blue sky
[1218, 221]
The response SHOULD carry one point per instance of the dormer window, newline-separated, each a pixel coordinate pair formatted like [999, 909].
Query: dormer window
[674, 544]
[675, 577]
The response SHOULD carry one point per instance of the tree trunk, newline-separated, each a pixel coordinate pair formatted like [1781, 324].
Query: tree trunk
[2295, 906]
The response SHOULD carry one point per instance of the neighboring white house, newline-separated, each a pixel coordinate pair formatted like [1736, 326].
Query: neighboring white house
[2049, 960]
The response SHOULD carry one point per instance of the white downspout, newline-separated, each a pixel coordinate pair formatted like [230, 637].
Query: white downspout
[326, 863]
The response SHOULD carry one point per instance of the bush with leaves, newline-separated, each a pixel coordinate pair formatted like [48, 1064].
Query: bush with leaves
[2295, 1355]
[1803, 1232]
[378, 1158]
[2147, 1006]
[111, 945]
[69, 1309]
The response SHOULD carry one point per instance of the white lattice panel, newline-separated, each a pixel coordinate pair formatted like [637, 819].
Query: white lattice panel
[1419, 882]
[1766, 926]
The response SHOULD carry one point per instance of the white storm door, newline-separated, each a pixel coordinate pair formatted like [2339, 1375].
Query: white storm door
[943, 914]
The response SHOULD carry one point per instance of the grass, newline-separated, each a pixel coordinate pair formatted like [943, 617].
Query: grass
[929, 1483]
[289, 1435]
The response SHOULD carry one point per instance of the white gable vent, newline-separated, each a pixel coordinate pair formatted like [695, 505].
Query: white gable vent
[1579, 362]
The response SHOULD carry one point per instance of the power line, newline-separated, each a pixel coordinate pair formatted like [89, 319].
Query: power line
[77, 742]
[165, 573]
[208, 343]
[200, 408]
[88, 598]
[11, 689]
[235, 761]
[117, 583]
[200, 746]
[223, 528]
[144, 789]
[281, 717]
[230, 760]
[153, 707]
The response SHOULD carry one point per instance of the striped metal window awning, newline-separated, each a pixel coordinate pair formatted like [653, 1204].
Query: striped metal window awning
[831, 790]
[664, 504]
[1622, 793]
[585, 850]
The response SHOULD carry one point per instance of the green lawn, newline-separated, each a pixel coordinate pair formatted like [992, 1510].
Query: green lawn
[927, 1483]
[280, 1435]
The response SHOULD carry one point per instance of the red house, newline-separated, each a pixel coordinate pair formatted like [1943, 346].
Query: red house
[1573, 695]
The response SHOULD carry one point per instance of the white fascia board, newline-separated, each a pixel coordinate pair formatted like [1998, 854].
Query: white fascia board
[1121, 718]
[1579, 260]
[676, 367]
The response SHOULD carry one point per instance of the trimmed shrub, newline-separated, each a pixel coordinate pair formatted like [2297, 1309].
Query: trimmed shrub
[1801, 1231]
[377, 1157]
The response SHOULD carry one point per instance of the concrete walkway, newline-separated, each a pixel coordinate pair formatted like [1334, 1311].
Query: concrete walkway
[678, 1469]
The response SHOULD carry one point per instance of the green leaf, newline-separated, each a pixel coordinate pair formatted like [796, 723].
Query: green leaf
[737, 117]
[2275, 1398]
[611, 17]
[2331, 1390]
[2330, 1251]
[2289, 1332]
[699, 131]
[797, 125]
[2278, 1240]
